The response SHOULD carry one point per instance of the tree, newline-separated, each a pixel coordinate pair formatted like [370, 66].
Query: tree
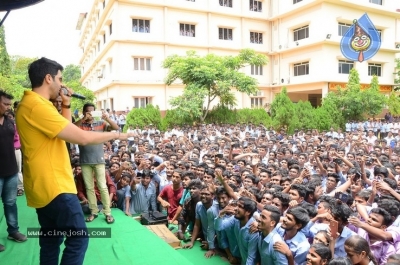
[397, 75]
[351, 97]
[209, 77]
[329, 115]
[76, 86]
[394, 104]
[282, 110]
[373, 101]
[71, 72]
[4, 57]
[304, 115]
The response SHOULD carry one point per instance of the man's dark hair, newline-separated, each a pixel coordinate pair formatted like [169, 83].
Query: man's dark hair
[381, 170]
[300, 216]
[391, 182]
[38, 70]
[283, 197]
[310, 208]
[391, 206]
[387, 219]
[195, 183]
[88, 105]
[275, 213]
[341, 211]
[252, 178]
[248, 205]
[334, 175]
[188, 174]
[221, 190]
[301, 189]
[3, 94]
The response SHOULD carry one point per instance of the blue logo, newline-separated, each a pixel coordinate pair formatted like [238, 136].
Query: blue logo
[362, 41]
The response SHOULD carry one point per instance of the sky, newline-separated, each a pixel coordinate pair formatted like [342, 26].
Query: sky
[47, 29]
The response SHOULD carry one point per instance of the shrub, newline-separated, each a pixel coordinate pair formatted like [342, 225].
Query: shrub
[144, 116]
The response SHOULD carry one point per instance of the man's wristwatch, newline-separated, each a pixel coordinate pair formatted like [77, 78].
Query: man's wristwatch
[66, 106]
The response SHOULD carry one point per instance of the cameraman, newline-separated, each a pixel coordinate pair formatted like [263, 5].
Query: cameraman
[93, 164]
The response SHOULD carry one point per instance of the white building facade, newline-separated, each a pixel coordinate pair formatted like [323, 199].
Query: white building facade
[125, 42]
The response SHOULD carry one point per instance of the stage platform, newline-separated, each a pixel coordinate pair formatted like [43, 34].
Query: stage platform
[130, 243]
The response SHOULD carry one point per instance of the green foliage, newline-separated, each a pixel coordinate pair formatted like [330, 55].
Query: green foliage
[394, 104]
[350, 99]
[77, 104]
[209, 77]
[329, 115]
[255, 116]
[173, 118]
[303, 116]
[222, 114]
[19, 69]
[12, 86]
[397, 75]
[71, 73]
[4, 57]
[282, 110]
[144, 116]
[374, 101]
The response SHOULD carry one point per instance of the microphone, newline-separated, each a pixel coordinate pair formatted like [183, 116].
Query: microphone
[74, 95]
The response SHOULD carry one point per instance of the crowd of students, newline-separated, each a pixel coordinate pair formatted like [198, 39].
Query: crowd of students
[253, 194]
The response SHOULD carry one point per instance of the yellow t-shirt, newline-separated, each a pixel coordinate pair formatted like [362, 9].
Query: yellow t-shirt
[47, 169]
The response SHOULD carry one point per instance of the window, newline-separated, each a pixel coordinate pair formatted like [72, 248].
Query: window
[374, 69]
[256, 70]
[225, 34]
[141, 25]
[345, 66]
[191, 0]
[255, 6]
[104, 4]
[227, 3]
[110, 28]
[378, 2]
[141, 64]
[141, 102]
[296, 1]
[300, 33]
[256, 37]
[187, 30]
[301, 69]
[257, 102]
[98, 46]
[343, 28]
[104, 38]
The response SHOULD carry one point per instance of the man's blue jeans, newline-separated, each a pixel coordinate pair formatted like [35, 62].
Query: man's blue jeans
[62, 214]
[8, 192]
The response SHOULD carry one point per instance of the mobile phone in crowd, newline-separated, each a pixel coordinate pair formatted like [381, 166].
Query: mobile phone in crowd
[333, 226]
[344, 197]
[236, 168]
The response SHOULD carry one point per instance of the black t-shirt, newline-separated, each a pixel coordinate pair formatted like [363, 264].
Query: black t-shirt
[8, 162]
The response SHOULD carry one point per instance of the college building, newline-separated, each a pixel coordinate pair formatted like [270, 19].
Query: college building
[124, 43]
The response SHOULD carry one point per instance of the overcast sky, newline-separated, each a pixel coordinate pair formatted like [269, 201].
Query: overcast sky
[47, 29]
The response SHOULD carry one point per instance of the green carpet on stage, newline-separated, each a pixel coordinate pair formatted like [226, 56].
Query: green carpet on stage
[130, 243]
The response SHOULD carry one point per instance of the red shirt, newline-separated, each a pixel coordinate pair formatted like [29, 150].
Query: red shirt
[172, 197]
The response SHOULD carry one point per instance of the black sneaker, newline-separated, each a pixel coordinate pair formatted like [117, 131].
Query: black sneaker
[2, 248]
[17, 237]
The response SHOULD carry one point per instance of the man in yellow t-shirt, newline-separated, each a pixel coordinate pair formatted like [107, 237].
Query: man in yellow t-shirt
[51, 189]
